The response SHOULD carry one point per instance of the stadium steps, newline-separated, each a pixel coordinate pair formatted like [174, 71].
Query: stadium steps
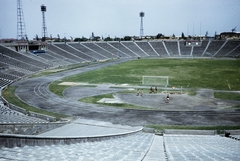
[147, 48]
[159, 48]
[132, 147]
[122, 48]
[200, 147]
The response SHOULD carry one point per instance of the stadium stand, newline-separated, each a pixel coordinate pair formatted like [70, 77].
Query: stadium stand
[200, 147]
[198, 50]
[184, 50]
[214, 47]
[235, 52]
[99, 50]
[90, 54]
[117, 53]
[20, 57]
[172, 47]
[122, 48]
[63, 49]
[12, 116]
[159, 48]
[134, 48]
[147, 48]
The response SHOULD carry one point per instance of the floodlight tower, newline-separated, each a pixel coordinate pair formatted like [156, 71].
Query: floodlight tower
[21, 30]
[141, 14]
[44, 29]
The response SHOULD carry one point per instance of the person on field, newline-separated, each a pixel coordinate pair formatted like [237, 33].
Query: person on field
[142, 92]
[168, 98]
[155, 89]
[151, 90]
[138, 92]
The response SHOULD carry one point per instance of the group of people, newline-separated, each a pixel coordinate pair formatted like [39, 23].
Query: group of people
[152, 90]
[140, 93]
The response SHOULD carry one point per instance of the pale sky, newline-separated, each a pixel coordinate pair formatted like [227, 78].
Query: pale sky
[119, 18]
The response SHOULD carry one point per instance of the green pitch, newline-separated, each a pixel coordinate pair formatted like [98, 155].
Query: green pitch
[188, 73]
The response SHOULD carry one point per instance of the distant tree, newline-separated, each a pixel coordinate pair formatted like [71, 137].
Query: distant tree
[173, 36]
[127, 38]
[183, 36]
[108, 39]
[159, 36]
[116, 39]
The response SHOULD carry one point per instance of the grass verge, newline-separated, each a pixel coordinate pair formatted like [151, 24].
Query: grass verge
[220, 129]
[9, 95]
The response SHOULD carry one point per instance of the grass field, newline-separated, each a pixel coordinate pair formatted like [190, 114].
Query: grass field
[190, 73]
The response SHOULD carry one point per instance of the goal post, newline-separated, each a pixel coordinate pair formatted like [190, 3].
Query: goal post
[155, 81]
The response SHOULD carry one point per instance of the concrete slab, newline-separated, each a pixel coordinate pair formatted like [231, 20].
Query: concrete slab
[84, 127]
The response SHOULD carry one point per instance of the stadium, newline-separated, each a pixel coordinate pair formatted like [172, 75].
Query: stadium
[106, 100]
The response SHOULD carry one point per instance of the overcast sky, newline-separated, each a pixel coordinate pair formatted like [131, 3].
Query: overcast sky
[118, 18]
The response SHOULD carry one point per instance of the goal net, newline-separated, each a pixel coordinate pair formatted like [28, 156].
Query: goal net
[155, 80]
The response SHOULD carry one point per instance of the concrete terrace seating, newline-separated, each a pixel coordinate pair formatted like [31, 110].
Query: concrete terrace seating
[122, 48]
[146, 47]
[213, 47]
[230, 46]
[20, 57]
[114, 49]
[100, 50]
[172, 47]
[10, 116]
[61, 50]
[184, 50]
[54, 49]
[159, 48]
[235, 52]
[9, 77]
[89, 54]
[134, 48]
[76, 55]
[198, 50]
[130, 148]
[22, 66]
[117, 49]
[82, 54]
[201, 147]
[4, 83]
[56, 58]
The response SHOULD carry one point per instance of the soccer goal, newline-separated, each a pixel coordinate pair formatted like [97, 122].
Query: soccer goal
[155, 80]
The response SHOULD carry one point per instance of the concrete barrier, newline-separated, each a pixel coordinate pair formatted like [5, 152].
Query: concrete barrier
[10, 141]
[41, 116]
[29, 128]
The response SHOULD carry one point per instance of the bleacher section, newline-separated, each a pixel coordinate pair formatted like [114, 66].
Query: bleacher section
[97, 49]
[10, 116]
[145, 46]
[159, 48]
[214, 47]
[91, 55]
[172, 47]
[228, 48]
[69, 57]
[122, 48]
[23, 58]
[135, 49]
[117, 53]
[198, 50]
[235, 52]
[184, 50]
[74, 54]
[201, 147]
